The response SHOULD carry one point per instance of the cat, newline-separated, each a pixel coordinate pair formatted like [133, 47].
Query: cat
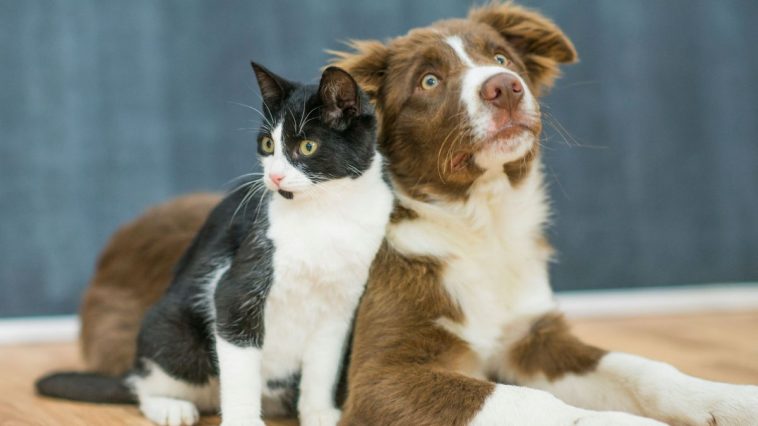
[258, 316]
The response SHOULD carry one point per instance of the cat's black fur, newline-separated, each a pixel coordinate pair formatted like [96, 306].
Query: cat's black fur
[178, 332]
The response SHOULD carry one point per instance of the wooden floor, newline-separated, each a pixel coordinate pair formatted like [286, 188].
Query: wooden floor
[719, 346]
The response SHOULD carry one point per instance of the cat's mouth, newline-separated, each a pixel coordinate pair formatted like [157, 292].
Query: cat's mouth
[286, 194]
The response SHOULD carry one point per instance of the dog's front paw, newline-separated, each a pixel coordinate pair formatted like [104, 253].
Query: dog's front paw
[325, 417]
[726, 405]
[613, 418]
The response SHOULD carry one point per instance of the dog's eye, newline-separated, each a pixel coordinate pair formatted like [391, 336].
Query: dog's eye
[501, 59]
[430, 81]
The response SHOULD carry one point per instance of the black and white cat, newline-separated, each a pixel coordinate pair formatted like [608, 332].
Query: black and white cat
[261, 306]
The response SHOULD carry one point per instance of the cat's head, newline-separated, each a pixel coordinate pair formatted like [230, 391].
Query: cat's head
[313, 134]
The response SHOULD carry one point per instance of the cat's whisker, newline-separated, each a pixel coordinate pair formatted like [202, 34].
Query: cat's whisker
[302, 115]
[308, 118]
[244, 185]
[260, 204]
[266, 121]
[250, 192]
[294, 120]
[244, 176]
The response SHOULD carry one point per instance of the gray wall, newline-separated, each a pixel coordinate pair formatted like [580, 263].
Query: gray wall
[109, 106]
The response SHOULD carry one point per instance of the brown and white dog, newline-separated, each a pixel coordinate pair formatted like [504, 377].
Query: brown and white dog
[458, 324]
[459, 302]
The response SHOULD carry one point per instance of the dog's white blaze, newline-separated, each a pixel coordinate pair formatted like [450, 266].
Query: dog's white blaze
[480, 115]
[457, 44]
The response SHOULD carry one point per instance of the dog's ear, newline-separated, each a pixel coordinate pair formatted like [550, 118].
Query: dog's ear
[340, 97]
[273, 88]
[539, 42]
[367, 63]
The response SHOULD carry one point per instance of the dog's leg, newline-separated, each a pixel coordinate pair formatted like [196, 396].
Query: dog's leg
[425, 395]
[548, 357]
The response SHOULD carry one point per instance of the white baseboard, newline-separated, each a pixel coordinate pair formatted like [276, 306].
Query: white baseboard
[63, 328]
[659, 300]
[575, 304]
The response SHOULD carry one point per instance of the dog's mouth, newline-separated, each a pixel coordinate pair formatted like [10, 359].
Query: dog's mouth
[508, 133]
[506, 138]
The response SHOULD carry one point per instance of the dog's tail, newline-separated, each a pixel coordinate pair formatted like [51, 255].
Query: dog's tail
[90, 387]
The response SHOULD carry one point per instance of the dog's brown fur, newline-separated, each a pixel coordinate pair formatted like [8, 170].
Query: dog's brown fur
[133, 271]
[405, 368]
[400, 359]
[549, 348]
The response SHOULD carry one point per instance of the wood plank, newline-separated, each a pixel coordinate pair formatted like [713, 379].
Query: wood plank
[717, 346]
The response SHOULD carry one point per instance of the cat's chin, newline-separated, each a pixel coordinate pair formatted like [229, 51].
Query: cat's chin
[286, 194]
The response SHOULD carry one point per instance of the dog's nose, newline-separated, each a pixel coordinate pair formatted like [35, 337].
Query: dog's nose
[502, 90]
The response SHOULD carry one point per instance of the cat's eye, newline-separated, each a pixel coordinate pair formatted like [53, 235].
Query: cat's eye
[430, 81]
[308, 148]
[267, 145]
[501, 59]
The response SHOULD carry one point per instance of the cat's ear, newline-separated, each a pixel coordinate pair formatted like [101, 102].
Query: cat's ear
[340, 98]
[273, 88]
[367, 63]
[540, 43]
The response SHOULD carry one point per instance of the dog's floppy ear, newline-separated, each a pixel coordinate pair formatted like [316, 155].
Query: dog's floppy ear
[367, 63]
[541, 44]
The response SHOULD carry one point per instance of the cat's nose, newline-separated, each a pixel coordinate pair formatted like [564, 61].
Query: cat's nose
[276, 178]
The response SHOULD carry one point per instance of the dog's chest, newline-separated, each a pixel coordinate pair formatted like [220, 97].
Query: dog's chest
[495, 285]
[493, 266]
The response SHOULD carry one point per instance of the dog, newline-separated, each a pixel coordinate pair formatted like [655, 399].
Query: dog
[458, 324]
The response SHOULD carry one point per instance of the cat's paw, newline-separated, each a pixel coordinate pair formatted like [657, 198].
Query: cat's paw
[242, 421]
[613, 418]
[169, 411]
[326, 417]
[724, 405]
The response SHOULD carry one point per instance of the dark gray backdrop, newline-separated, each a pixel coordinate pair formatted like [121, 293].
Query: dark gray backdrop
[109, 106]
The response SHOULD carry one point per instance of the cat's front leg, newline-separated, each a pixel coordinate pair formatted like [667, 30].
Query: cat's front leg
[321, 369]
[240, 383]
[239, 342]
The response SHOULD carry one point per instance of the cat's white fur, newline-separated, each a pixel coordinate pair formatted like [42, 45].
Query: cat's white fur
[293, 179]
[496, 271]
[168, 401]
[241, 383]
[325, 239]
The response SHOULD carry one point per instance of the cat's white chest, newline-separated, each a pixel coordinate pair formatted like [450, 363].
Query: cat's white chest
[322, 255]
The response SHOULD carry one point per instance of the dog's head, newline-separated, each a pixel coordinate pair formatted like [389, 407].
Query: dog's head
[458, 99]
